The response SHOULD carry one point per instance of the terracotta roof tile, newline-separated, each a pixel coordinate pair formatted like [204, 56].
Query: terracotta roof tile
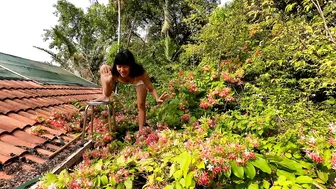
[6, 120]
[44, 152]
[15, 94]
[34, 158]
[21, 103]
[53, 131]
[54, 147]
[7, 126]
[5, 84]
[4, 158]
[49, 136]
[36, 114]
[4, 107]
[39, 111]
[10, 139]
[28, 137]
[10, 150]
[21, 118]
[3, 175]
[27, 115]
[3, 94]
[66, 138]
[3, 131]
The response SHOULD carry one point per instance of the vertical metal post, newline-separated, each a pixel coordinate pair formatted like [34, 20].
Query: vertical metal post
[84, 124]
[114, 118]
[92, 119]
[109, 117]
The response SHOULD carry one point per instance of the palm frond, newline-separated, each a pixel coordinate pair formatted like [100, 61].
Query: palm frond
[70, 45]
[52, 54]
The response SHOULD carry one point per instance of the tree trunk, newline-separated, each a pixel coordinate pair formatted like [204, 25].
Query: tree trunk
[119, 23]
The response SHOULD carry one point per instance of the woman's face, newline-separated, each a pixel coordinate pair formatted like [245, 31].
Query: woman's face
[123, 70]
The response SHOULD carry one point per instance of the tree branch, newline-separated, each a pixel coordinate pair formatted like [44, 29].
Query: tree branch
[319, 9]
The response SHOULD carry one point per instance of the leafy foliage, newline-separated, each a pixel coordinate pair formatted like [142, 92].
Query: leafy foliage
[252, 102]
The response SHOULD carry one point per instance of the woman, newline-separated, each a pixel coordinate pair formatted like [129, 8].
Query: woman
[126, 70]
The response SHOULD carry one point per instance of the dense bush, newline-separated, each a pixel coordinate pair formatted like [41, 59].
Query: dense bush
[252, 105]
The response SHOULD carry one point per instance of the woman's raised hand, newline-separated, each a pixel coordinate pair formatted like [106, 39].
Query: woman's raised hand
[162, 98]
[106, 74]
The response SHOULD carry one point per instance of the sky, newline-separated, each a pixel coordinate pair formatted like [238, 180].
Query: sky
[22, 23]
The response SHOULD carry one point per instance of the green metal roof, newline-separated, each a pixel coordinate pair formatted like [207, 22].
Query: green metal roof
[37, 71]
[5, 74]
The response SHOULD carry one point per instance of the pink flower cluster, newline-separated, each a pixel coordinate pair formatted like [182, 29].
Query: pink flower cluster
[315, 157]
[203, 179]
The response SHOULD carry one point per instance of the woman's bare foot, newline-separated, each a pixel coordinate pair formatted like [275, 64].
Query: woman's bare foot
[102, 98]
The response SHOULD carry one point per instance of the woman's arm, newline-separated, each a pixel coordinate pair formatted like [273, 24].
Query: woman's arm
[107, 80]
[149, 86]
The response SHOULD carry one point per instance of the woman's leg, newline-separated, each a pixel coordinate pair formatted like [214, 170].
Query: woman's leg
[141, 101]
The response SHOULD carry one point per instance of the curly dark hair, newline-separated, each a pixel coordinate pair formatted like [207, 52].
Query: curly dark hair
[125, 57]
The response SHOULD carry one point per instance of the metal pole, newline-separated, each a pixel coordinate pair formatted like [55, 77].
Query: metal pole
[92, 119]
[109, 117]
[84, 124]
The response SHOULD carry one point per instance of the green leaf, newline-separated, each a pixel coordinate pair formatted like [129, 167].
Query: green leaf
[121, 186]
[99, 164]
[200, 165]
[51, 178]
[304, 180]
[149, 168]
[288, 155]
[172, 170]
[289, 176]
[178, 175]
[180, 113]
[262, 165]
[193, 184]
[291, 164]
[129, 183]
[151, 179]
[104, 180]
[184, 160]
[253, 186]
[121, 160]
[113, 182]
[183, 182]
[266, 184]
[297, 155]
[237, 170]
[250, 171]
[189, 179]
[98, 181]
[327, 155]
[178, 185]
[323, 176]
[296, 186]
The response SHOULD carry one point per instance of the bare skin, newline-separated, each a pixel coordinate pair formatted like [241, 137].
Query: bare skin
[107, 82]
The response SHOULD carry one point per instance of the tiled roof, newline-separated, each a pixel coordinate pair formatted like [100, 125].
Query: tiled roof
[20, 104]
